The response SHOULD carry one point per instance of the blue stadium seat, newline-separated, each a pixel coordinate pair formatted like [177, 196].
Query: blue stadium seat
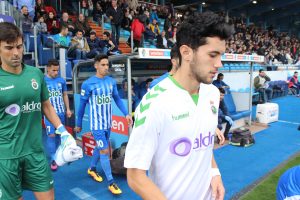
[235, 115]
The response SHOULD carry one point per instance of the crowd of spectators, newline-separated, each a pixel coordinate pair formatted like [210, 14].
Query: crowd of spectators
[153, 25]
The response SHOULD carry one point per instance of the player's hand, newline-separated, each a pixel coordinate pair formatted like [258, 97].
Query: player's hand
[129, 119]
[218, 190]
[69, 113]
[65, 137]
[77, 129]
[220, 136]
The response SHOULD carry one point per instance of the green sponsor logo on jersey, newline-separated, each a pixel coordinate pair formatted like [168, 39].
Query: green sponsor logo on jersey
[181, 116]
[54, 93]
[100, 100]
[31, 107]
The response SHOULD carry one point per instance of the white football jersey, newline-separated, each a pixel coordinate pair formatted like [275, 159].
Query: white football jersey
[173, 138]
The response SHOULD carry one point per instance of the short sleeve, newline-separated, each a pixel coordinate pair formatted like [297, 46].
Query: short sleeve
[84, 94]
[143, 141]
[44, 89]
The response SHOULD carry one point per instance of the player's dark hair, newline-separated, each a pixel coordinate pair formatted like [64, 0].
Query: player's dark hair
[220, 75]
[194, 31]
[174, 52]
[9, 32]
[106, 33]
[100, 57]
[52, 62]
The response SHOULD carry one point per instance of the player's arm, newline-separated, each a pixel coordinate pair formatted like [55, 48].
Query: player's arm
[84, 96]
[66, 99]
[67, 105]
[218, 190]
[50, 113]
[142, 185]
[120, 104]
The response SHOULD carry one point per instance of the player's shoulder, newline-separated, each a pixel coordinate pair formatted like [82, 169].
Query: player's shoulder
[157, 94]
[31, 69]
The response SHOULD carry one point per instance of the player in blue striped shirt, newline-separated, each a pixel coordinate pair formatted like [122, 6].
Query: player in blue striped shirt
[59, 99]
[98, 91]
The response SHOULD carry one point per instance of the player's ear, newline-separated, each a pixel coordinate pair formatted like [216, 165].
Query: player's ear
[186, 53]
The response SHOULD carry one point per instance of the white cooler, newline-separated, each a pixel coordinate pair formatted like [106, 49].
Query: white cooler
[266, 113]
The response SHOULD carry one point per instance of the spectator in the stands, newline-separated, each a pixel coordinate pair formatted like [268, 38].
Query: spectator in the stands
[261, 85]
[108, 46]
[66, 21]
[39, 10]
[84, 7]
[27, 26]
[154, 27]
[162, 41]
[126, 22]
[146, 17]
[144, 87]
[97, 13]
[149, 36]
[172, 39]
[138, 29]
[223, 115]
[123, 93]
[154, 15]
[219, 83]
[62, 39]
[94, 44]
[115, 14]
[168, 22]
[30, 4]
[52, 24]
[41, 26]
[294, 84]
[79, 46]
[83, 25]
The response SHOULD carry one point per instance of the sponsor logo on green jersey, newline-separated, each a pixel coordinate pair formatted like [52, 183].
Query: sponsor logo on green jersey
[31, 107]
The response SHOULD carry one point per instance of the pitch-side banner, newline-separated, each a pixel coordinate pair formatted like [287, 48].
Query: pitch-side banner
[242, 58]
[148, 53]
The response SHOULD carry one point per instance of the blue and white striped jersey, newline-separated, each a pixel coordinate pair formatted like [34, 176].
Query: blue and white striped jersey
[99, 92]
[56, 88]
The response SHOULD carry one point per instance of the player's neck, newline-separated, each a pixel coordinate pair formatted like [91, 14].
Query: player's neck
[99, 75]
[13, 70]
[187, 81]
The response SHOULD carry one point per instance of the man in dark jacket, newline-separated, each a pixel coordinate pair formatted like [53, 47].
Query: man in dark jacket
[94, 44]
[223, 115]
[115, 15]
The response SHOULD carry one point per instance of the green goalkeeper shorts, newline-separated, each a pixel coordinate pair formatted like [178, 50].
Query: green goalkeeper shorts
[30, 172]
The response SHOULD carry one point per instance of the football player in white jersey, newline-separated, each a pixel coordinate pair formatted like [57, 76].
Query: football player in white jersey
[175, 122]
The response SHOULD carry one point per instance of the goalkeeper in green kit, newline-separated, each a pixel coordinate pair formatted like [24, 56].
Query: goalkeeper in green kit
[23, 99]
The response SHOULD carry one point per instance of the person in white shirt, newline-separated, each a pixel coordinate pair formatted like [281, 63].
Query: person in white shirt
[175, 123]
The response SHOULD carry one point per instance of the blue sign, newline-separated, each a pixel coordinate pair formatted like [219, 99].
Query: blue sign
[5, 18]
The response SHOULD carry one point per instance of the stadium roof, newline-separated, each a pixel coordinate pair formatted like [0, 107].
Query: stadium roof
[281, 14]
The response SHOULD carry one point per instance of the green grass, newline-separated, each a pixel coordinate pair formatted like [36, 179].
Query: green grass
[266, 190]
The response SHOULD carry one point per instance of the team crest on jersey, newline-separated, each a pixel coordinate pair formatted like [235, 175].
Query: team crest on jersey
[213, 107]
[34, 84]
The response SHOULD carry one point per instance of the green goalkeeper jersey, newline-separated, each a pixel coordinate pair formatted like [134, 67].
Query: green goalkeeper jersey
[21, 97]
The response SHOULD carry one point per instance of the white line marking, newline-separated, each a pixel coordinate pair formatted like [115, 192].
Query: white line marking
[289, 122]
[81, 194]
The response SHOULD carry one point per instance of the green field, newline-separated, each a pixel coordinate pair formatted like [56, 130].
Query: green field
[266, 190]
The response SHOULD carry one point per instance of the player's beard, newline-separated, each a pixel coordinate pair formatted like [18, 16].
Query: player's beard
[196, 73]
